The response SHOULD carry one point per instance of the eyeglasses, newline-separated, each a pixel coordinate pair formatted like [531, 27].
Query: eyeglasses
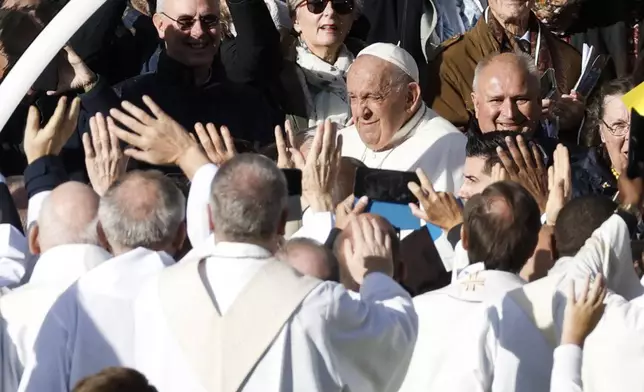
[185, 23]
[342, 7]
[619, 129]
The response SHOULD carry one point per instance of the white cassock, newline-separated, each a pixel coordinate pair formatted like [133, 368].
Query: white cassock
[511, 345]
[91, 325]
[333, 340]
[444, 314]
[25, 308]
[428, 142]
[566, 370]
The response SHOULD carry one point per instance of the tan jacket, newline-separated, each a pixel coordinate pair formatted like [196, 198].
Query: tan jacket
[451, 71]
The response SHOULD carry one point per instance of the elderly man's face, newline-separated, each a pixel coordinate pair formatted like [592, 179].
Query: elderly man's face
[476, 179]
[191, 30]
[511, 9]
[379, 108]
[506, 98]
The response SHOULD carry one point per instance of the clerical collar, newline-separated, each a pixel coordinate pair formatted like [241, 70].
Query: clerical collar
[407, 129]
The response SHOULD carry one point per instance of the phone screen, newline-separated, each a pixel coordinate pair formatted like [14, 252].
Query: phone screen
[385, 185]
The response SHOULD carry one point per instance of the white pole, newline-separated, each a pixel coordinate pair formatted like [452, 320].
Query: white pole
[40, 53]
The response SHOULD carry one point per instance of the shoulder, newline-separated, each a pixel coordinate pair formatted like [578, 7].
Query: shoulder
[448, 49]
[566, 49]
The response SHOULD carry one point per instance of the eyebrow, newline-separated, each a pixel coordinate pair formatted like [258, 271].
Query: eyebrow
[472, 178]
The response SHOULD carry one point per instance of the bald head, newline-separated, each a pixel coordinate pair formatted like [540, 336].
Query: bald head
[506, 93]
[68, 216]
[143, 209]
[501, 227]
[383, 98]
[311, 258]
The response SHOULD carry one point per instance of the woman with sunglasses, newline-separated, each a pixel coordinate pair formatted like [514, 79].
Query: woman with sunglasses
[608, 129]
[322, 58]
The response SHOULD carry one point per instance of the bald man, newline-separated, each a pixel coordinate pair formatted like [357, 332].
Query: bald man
[311, 258]
[393, 129]
[500, 233]
[66, 240]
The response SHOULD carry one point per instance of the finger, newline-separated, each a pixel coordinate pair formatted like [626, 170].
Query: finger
[551, 178]
[280, 143]
[597, 289]
[361, 205]
[507, 162]
[566, 171]
[204, 139]
[72, 115]
[417, 191]
[537, 157]
[298, 158]
[33, 122]
[316, 145]
[584, 292]
[57, 118]
[87, 144]
[328, 139]
[356, 230]
[137, 113]
[213, 135]
[129, 121]
[289, 133]
[348, 249]
[114, 140]
[228, 139]
[604, 290]
[103, 135]
[426, 184]
[338, 150]
[572, 299]
[95, 133]
[128, 137]
[417, 212]
[526, 157]
[378, 235]
[367, 230]
[154, 108]
[137, 154]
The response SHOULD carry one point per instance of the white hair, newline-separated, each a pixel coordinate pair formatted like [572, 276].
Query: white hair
[525, 60]
[159, 7]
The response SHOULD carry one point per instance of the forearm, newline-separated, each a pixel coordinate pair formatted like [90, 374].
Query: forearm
[197, 208]
[566, 371]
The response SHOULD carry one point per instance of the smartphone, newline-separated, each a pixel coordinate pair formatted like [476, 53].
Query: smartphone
[388, 195]
[548, 84]
[636, 146]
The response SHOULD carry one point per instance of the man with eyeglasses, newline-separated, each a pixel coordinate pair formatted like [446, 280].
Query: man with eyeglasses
[190, 83]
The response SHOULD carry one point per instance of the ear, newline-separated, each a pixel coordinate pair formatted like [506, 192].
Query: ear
[296, 23]
[102, 238]
[464, 239]
[211, 222]
[34, 245]
[281, 226]
[475, 102]
[179, 238]
[160, 24]
[414, 96]
[601, 135]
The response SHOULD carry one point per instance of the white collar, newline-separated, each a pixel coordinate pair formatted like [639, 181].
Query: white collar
[67, 262]
[239, 250]
[406, 129]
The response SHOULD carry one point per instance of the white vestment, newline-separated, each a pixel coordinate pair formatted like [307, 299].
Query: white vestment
[566, 371]
[25, 308]
[91, 325]
[14, 253]
[505, 350]
[444, 314]
[334, 341]
[428, 142]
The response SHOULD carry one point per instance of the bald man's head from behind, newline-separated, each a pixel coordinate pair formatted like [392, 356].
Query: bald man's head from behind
[68, 216]
[143, 209]
[345, 276]
[506, 93]
[501, 227]
[383, 98]
[311, 258]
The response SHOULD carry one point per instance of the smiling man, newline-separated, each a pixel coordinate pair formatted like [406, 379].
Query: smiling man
[393, 129]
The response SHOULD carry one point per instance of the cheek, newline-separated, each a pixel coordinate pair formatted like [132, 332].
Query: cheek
[308, 24]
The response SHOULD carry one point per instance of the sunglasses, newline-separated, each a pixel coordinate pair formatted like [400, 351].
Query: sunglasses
[342, 7]
[186, 22]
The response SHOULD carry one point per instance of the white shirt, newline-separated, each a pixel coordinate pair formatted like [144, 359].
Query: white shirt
[334, 341]
[443, 315]
[505, 351]
[91, 325]
[14, 253]
[566, 371]
[427, 141]
[25, 308]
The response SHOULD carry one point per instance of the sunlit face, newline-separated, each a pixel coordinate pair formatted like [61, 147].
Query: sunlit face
[511, 9]
[615, 130]
[379, 109]
[506, 99]
[193, 45]
[476, 179]
[325, 31]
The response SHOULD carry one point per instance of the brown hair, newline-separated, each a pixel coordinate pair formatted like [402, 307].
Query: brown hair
[503, 237]
[115, 379]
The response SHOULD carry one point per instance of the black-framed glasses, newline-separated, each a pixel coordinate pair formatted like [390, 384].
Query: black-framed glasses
[618, 129]
[342, 7]
[186, 22]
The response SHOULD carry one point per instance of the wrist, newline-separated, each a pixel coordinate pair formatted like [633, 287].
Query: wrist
[572, 338]
[319, 202]
[190, 160]
[90, 83]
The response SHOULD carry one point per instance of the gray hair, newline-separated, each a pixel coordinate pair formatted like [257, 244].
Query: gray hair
[159, 6]
[247, 198]
[142, 209]
[525, 61]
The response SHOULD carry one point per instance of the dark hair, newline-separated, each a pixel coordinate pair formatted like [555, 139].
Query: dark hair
[595, 113]
[115, 379]
[503, 240]
[578, 220]
[484, 145]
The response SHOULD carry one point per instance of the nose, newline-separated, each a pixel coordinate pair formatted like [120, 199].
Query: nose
[462, 193]
[328, 9]
[509, 109]
[197, 29]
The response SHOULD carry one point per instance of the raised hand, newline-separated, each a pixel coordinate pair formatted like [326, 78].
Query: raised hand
[284, 150]
[217, 151]
[525, 166]
[104, 159]
[583, 313]
[438, 208]
[50, 139]
[320, 168]
[156, 139]
[73, 73]
[345, 209]
[498, 173]
[370, 250]
[559, 184]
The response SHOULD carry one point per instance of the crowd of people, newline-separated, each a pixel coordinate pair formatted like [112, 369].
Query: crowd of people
[322, 195]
